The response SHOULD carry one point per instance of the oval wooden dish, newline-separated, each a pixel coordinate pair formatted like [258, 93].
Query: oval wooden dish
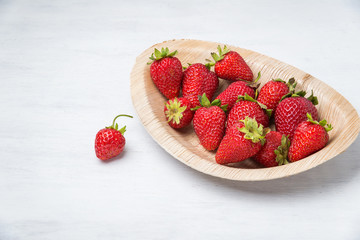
[184, 145]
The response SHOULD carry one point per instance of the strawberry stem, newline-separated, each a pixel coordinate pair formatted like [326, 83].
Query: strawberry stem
[116, 126]
[258, 77]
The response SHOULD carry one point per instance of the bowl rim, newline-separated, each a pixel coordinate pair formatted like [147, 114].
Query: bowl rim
[169, 143]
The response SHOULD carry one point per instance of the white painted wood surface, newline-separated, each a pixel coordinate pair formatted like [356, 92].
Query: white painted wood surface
[65, 73]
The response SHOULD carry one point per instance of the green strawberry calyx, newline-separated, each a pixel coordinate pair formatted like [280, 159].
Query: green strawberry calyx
[291, 84]
[207, 65]
[322, 123]
[174, 111]
[282, 151]
[253, 131]
[313, 98]
[116, 126]
[205, 102]
[158, 55]
[249, 98]
[222, 53]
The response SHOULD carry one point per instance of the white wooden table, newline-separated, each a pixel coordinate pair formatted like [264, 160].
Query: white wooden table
[64, 73]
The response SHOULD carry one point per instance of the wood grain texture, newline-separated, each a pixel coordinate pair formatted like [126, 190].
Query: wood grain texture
[184, 145]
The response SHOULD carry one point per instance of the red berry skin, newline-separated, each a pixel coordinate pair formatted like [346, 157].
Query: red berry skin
[230, 95]
[233, 67]
[271, 93]
[266, 156]
[167, 75]
[234, 147]
[209, 126]
[109, 143]
[292, 111]
[308, 138]
[197, 81]
[172, 112]
[246, 108]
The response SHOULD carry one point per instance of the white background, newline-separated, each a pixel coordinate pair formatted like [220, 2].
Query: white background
[64, 74]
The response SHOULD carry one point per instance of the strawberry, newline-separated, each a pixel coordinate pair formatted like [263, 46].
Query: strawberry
[230, 95]
[166, 72]
[247, 106]
[243, 140]
[198, 79]
[272, 92]
[275, 150]
[229, 65]
[178, 112]
[292, 110]
[310, 136]
[110, 142]
[209, 123]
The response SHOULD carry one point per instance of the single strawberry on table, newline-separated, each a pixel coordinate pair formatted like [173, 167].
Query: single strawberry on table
[110, 141]
[209, 123]
[239, 88]
[229, 65]
[248, 107]
[243, 140]
[310, 136]
[198, 79]
[272, 92]
[178, 112]
[166, 72]
[292, 110]
[275, 150]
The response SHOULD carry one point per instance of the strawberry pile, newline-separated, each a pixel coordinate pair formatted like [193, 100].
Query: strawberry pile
[236, 123]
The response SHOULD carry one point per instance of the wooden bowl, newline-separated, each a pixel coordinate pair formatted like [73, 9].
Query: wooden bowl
[184, 145]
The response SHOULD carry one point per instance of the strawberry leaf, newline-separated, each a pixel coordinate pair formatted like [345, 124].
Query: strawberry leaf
[123, 130]
[163, 53]
[328, 127]
[253, 131]
[322, 123]
[313, 99]
[204, 101]
[222, 53]
[282, 151]
[291, 85]
[279, 80]
[216, 102]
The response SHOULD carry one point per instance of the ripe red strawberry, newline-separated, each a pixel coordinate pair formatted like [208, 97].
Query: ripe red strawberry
[272, 92]
[292, 111]
[275, 150]
[178, 112]
[166, 72]
[310, 136]
[229, 65]
[230, 95]
[209, 123]
[242, 140]
[247, 107]
[110, 142]
[198, 79]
